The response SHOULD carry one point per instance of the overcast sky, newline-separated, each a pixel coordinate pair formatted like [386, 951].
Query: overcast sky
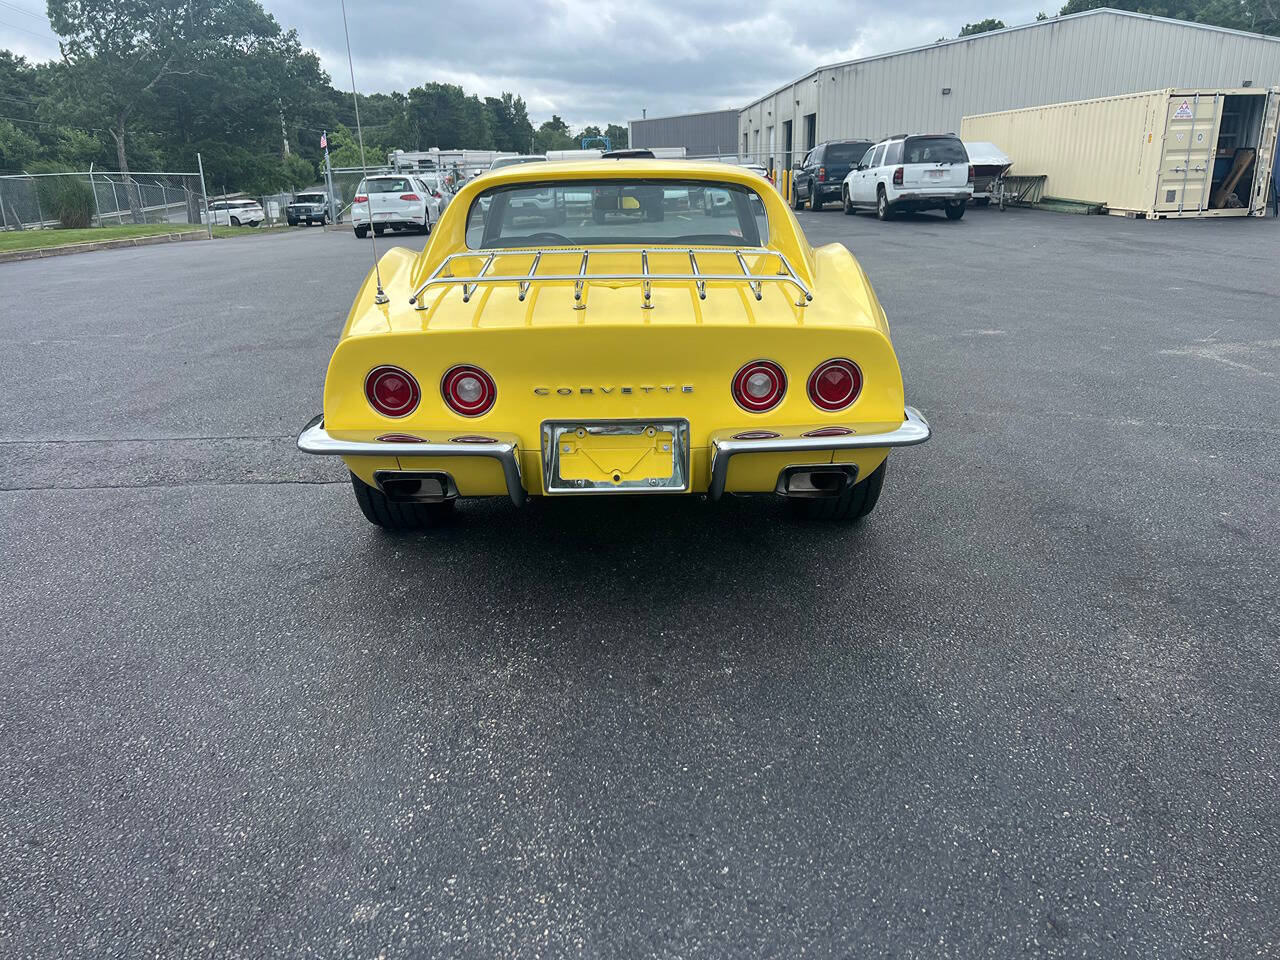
[592, 61]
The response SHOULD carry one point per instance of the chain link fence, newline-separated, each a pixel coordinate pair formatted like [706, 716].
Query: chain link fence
[99, 198]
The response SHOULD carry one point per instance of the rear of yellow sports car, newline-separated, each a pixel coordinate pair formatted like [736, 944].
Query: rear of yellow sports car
[579, 354]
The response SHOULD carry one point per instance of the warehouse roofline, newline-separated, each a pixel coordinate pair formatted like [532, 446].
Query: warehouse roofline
[994, 33]
[681, 116]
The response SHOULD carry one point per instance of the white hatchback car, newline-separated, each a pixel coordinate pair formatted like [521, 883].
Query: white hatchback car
[930, 172]
[236, 213]
[396, 201]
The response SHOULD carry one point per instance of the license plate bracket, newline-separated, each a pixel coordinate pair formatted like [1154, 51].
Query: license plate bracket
[615, 456]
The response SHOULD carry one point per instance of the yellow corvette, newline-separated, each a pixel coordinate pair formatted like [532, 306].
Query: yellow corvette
[614, 327]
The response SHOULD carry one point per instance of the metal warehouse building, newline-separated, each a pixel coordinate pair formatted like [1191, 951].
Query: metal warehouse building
[701, 134]
[929, 89]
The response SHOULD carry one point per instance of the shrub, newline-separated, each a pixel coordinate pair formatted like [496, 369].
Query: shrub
[68, 198]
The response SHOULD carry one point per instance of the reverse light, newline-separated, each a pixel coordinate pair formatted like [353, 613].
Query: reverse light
[759, 386]
[828, 432]
[400, 438]
[835, 384]
[472, 438]
[468, 390]
[897, 177]
[392, 391]
[410, 196]
[822, 174]
[756, 435]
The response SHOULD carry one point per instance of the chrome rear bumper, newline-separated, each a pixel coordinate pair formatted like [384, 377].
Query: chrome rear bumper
[316, 440]
[914, 429]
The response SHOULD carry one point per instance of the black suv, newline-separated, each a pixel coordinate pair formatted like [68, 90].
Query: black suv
[820, 175]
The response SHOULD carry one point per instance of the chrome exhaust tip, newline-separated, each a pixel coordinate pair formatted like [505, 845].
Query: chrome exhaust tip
[416, 487]
[816, 481]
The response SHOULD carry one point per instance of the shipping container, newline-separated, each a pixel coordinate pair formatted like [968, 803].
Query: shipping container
[1162, 153]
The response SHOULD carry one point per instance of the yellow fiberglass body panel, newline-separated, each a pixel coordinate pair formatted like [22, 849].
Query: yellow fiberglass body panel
[579, 332]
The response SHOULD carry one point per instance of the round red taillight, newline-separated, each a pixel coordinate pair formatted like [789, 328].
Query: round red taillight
[759, 386]
[468, 390]
[392, 391]
[835, 384]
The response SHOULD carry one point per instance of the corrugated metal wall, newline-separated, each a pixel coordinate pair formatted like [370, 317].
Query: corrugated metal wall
[701, 134]
[1094, 54]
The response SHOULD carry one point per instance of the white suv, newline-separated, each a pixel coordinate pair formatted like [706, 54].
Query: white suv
[930, 172]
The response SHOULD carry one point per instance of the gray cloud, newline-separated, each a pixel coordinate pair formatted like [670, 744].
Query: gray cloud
[601, 61]
[597, 61]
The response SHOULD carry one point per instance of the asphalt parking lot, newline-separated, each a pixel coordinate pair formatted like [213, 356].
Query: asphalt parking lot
[1028, 708]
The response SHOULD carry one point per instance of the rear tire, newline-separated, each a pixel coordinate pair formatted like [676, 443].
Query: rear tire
[883, 210]
[815, 202]
[849, 208]
[379, 231]
[856, 502]
[361, 232]
[955, 211]
[381, 512]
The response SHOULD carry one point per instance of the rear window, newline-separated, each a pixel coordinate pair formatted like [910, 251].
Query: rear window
[384, 185]
[846, 153]
[577, 213]
[934, 150]
[310, 198]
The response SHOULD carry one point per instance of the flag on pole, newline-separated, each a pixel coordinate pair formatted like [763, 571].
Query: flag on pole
[324, 141]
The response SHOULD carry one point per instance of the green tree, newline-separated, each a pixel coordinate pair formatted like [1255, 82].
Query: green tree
[18, 149]
[617, 135]
[553, 135]
[509, 122]
[982, 26]
[1256, 16]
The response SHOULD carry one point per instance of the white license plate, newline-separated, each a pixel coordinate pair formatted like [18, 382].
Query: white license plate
[937, 174]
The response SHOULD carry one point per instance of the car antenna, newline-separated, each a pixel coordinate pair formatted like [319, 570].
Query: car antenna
[381, 297]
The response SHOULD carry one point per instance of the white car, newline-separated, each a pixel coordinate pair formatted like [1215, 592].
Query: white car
[439, 191]
[512, 161]
[236, 213]
[396, 201]
[928, 172]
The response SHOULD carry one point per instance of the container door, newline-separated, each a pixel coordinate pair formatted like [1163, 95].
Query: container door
[1266, 155]
[1186, 164]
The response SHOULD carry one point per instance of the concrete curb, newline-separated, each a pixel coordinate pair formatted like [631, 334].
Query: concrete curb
[39, 253]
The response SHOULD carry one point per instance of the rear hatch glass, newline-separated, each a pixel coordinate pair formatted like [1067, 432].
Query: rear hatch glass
[385, 185]
[842, 157]
[935, 161]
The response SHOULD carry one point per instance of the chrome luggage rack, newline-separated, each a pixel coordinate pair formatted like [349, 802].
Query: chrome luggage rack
[443, 275]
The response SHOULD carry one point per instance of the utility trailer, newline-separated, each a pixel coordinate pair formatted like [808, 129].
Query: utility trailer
[1162, 153]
